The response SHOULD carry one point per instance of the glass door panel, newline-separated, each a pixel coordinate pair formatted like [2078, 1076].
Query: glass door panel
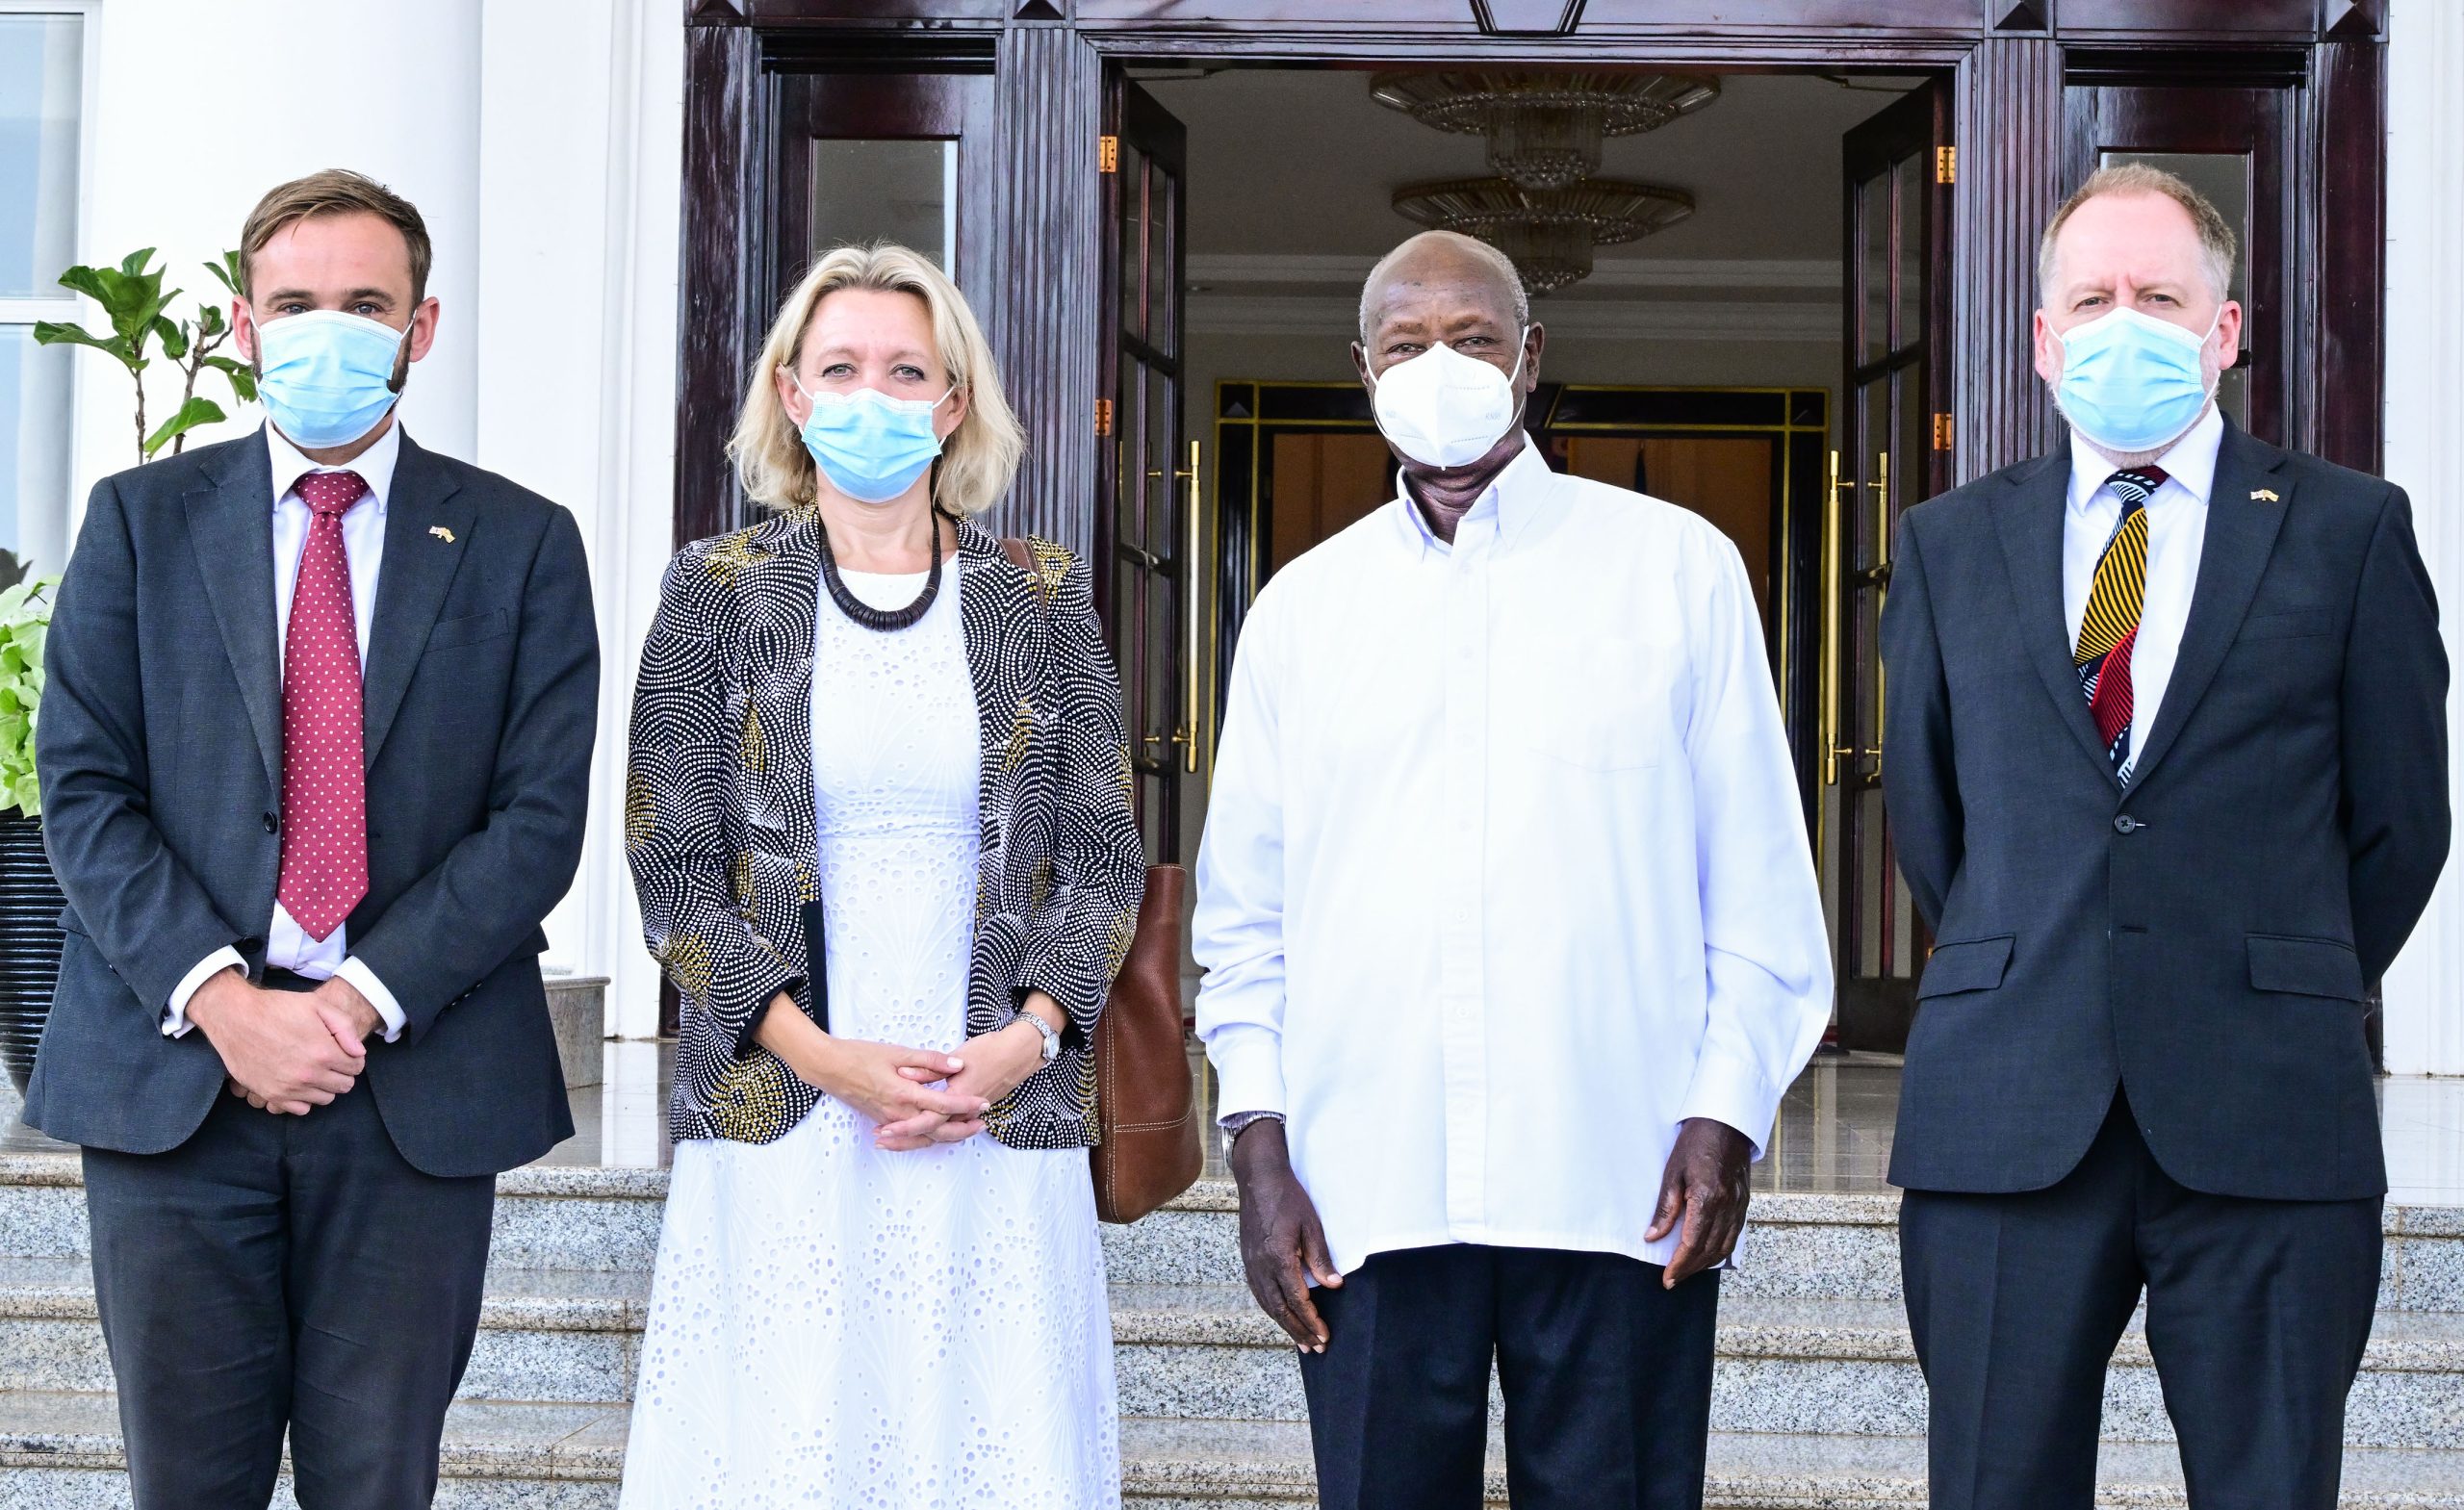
[1895, 453]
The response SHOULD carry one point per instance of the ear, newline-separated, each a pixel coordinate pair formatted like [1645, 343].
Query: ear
[244, 328]
[1533, 341]
[952, 414]
[2228, 335]
[2049, 349]
[1360, 365]
[424, 320]
[799, 408]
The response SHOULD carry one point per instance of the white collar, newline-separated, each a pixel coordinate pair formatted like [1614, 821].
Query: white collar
[1510, 498]
[374, 465]
[2190, 461]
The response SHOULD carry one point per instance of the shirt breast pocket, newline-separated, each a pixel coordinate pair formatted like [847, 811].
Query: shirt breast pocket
[1602, 707]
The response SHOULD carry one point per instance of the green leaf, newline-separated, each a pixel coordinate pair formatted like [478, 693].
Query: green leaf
[209, 319]
[51, 333]
[244, 381]
[174, 337]
[27, 794]
[227, 272]
[135, 262]
[85, 280]
[193, 412]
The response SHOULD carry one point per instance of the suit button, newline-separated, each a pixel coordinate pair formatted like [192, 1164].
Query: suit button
[273, 825]
[2127, 824]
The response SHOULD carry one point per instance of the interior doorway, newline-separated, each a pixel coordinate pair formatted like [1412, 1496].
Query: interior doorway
[1714, 360]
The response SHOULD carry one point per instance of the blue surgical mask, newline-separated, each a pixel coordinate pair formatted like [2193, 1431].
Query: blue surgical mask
[871, 446]
[2131, 382]
[326, 378]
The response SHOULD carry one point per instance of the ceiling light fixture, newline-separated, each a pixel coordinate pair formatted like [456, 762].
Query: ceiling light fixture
[1549, 233]
[1544, 129]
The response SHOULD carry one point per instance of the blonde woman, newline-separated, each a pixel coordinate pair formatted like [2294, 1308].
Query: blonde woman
[878, 821]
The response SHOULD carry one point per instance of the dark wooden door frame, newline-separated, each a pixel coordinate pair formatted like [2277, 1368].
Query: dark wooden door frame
[2009, 60]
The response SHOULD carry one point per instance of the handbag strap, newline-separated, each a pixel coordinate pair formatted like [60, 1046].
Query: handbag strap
[1019, 555]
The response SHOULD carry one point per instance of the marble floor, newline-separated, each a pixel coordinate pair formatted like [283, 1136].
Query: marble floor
[1832, 1134]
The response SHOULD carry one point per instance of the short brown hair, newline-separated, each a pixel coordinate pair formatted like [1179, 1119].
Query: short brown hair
[2216, 239]
[336, 191]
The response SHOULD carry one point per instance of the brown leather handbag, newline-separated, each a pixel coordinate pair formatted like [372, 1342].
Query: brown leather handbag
[1149, 1147]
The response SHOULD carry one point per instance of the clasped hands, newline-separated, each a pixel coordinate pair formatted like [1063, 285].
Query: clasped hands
[286, 1052]
[915, 1098]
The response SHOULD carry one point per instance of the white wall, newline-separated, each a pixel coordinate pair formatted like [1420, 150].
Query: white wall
[2426, 453]
[541, 140]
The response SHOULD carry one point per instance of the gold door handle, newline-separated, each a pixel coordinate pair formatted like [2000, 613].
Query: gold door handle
[1882, 516]
[1831, 646]
[1189, 733]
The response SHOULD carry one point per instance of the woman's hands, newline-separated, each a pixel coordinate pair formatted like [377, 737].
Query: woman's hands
[996, 1064]
[886, 1082]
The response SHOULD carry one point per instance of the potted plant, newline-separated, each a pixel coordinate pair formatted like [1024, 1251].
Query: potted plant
[133, 304]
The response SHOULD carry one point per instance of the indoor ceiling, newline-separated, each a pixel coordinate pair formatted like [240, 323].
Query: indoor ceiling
[1292, 172]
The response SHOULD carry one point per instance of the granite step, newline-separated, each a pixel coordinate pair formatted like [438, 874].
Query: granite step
[1799, 1246]
[62, 1453]
[1205, 1352]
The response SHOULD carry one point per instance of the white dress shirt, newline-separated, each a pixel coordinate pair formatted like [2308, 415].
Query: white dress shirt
[287, 946]
[1505, 872]
[2176, 533]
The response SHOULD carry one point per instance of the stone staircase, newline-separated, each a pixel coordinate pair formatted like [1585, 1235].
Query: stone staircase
[1818, 1401]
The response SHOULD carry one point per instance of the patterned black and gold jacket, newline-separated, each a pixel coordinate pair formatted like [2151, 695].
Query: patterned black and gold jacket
[719, 818]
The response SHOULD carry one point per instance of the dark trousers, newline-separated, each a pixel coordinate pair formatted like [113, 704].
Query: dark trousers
[282, 1271]
[2257, 1313]
[1606, 1377]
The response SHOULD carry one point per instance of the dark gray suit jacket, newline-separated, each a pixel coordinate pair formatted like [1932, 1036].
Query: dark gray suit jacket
[2207, 938]
[159, 749]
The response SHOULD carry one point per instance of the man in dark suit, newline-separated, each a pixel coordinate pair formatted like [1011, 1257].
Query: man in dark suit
[2168, 778]
[315, 754]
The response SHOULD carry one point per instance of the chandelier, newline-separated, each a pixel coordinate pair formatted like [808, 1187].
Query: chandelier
[1549, 233]
[1544, 129]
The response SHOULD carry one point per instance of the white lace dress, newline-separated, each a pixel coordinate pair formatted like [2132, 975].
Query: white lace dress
[833, 1325]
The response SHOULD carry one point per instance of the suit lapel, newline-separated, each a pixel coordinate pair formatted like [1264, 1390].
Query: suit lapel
[232, 526]
[2031, 521]
[411, 582]
[2241, 534]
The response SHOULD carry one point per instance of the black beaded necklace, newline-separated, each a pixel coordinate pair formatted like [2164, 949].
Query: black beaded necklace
[884, 620]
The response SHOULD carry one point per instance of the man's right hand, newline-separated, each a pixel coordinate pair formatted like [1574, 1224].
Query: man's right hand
[276, 1047]
[1282, 1244]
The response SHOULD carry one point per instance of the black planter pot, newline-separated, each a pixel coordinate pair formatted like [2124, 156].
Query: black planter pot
[30, 907]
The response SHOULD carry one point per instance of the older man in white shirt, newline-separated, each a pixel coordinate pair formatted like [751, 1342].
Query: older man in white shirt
[1512, 937]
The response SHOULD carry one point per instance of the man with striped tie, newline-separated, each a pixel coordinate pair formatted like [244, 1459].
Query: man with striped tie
[2167, 780]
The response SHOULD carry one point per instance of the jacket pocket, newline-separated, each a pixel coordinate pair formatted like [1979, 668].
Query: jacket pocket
[2296, 625]
[2305, 967]
[1974, 964]
[471, 628]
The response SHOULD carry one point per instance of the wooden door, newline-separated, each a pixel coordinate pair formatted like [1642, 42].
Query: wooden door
[1146, 480]
[1895, 429]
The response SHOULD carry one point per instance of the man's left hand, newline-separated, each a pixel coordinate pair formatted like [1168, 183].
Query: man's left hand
[1704, 1190]
[350, 1016]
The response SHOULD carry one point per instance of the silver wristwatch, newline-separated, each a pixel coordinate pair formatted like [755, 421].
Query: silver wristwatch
[1051, 1034]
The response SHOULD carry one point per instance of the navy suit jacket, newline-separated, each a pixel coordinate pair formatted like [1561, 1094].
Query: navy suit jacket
[2207, 938]
[160, 752]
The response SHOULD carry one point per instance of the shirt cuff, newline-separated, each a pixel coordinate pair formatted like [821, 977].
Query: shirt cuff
[1248, 1070]
[1731, 1091]
[175, 1016]
[1233, 1124]
[355, 972]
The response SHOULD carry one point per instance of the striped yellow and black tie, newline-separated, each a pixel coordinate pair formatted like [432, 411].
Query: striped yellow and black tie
[2109, 627]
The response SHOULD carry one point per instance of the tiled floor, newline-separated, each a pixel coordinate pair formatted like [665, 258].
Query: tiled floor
[1832, 1134]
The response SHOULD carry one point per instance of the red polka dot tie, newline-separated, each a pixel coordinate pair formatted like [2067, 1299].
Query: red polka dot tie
[325, 785]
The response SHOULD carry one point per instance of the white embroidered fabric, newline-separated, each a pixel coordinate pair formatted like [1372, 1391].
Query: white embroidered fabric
[835, 1325]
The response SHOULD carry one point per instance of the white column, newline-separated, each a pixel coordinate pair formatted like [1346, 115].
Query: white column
[199, 108]
[579, 191]
[2426, 454]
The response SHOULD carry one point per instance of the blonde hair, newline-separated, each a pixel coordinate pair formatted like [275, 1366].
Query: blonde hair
[2216, 240]
[980, 457]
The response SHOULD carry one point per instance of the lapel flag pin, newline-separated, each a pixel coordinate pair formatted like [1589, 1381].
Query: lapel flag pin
[2265, 495]
[447, 535]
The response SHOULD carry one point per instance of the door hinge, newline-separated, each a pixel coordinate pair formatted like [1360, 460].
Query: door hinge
[1103, 416]
[1107, 154]
[1946, 164]
[1941, 432]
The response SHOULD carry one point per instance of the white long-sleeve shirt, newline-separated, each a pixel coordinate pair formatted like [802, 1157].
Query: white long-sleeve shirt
[1504, 874]
[2176, 538]
[287, 946]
